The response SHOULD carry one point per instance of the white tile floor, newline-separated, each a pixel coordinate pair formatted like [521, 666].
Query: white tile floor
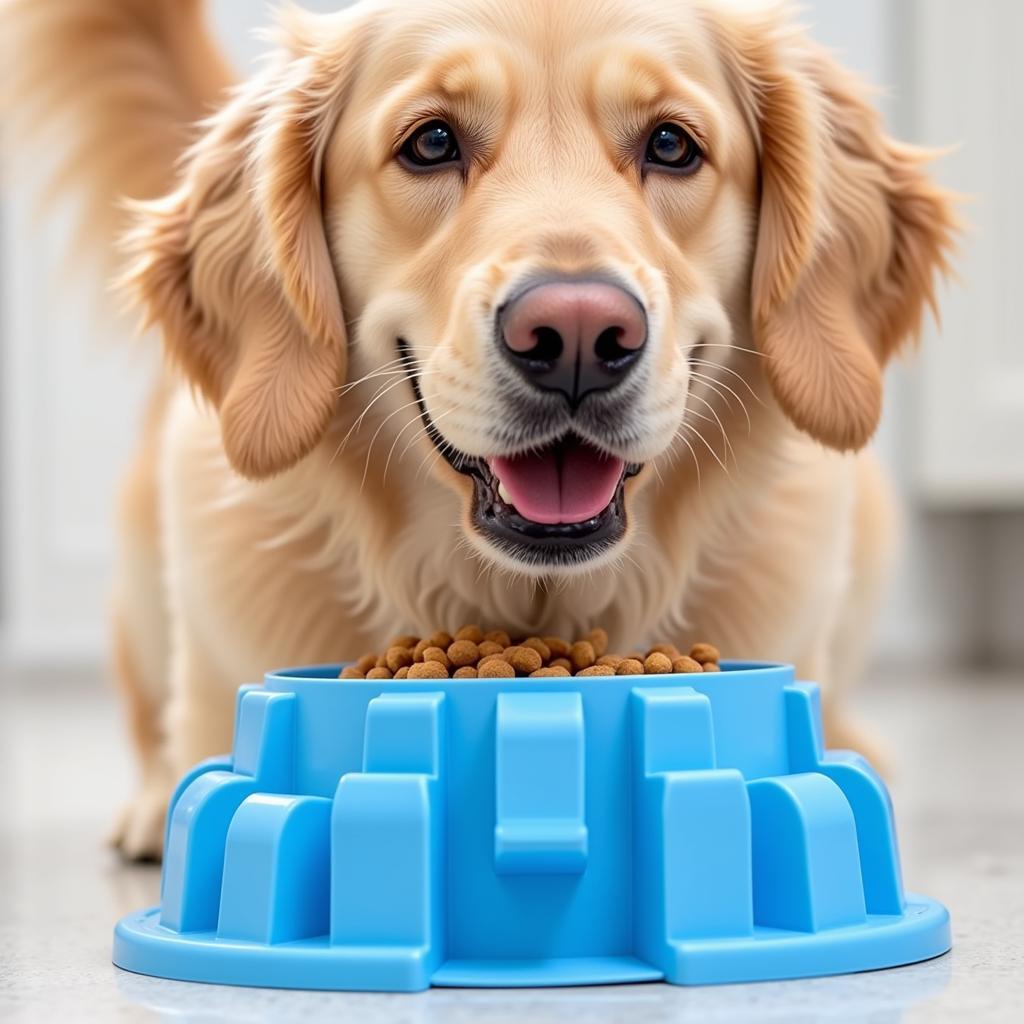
[959, 792]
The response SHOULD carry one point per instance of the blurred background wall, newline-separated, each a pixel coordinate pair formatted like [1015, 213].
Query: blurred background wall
[71, 380]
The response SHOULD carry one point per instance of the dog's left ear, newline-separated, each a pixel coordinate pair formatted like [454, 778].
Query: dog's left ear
[851, 232]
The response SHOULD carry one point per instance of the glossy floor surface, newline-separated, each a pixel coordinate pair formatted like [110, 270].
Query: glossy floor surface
[957, 761]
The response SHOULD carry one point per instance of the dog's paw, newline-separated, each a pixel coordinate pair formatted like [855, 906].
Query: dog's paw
[138, 832]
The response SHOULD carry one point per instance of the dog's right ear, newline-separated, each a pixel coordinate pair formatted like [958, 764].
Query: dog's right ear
[233, 266]
[852, 231]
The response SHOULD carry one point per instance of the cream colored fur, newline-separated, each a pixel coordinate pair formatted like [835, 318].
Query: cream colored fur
[286, 506]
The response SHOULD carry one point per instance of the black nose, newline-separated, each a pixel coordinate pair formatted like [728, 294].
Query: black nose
[573, 336]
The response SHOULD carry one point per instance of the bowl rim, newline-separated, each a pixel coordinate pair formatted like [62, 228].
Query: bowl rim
[328, 673]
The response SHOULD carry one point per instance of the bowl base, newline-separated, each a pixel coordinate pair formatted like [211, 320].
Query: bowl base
[143, 946]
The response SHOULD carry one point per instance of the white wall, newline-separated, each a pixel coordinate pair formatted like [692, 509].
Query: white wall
[71, 386]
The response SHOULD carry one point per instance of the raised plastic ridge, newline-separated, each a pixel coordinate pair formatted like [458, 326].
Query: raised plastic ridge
[392, 835]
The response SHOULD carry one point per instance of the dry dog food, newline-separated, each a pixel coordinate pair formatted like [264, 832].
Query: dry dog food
[471, 653]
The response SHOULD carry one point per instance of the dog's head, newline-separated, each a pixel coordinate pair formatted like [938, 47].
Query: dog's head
[541, 235]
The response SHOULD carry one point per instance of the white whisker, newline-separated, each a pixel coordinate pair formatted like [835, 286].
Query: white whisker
[696, 461]
[715, 385]
[433, 453]
[721, 426]
[739, 376]
[734, 348]
[376, 434]
[700, 437]
[424, 431]
[378, 395]
[377, 372]
[398, 437]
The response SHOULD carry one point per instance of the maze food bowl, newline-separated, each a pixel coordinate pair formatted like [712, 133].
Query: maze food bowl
[393, 835]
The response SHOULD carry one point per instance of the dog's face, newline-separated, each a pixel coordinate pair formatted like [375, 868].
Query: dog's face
[549, 229]
[545, 214]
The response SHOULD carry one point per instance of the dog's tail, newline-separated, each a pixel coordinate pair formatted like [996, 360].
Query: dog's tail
[101, 96]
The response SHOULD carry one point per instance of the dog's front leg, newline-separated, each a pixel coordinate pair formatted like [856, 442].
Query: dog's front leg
[200, 714]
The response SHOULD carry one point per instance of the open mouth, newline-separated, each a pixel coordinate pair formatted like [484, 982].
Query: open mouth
[562, 503]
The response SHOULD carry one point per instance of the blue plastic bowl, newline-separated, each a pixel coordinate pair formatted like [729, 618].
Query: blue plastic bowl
[393, 835]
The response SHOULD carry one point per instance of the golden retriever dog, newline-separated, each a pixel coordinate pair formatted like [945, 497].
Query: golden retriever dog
[537, 315]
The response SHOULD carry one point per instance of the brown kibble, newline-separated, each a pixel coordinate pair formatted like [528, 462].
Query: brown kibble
[496, 668]
[524, 660]
[558, 647]
[366, 662]
[428, 670]
[397, 657]
[671, 650]
[405, 640]
[539, 646]
[472, 653]
[436, 654]
[685, 664]
[704, 652]
[597, 670]
[598, 640]
[463, 652]
[657, 664]
[582, 655]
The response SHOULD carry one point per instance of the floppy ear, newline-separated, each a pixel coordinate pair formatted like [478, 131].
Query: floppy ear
[234, 266]
[851, 232]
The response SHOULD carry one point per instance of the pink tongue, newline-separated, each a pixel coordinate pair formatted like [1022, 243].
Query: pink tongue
[564, 484]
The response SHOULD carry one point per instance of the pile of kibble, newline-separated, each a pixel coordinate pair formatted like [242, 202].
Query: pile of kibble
[470, 653]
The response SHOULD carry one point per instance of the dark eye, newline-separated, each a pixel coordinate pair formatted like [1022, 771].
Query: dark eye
[431, 145]
[673, 148]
